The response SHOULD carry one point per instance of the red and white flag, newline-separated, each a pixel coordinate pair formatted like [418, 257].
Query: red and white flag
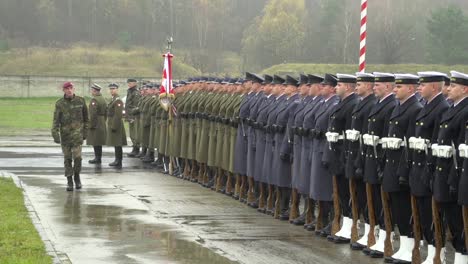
[166, 82]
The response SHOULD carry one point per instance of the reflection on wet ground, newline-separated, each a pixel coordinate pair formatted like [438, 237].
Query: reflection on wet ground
[136, 215]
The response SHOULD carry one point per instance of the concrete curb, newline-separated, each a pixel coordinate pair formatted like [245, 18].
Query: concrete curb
[58, 257]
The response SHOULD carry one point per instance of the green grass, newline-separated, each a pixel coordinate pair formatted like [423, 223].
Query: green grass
[295, 68]
[19, 240]
[26, 116]
[88, 60]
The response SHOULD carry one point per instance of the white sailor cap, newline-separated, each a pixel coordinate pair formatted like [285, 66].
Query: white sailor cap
[431, 76]
[406, 78]
[459, 78]
[384, 77]
[346, 78]
[364, 77]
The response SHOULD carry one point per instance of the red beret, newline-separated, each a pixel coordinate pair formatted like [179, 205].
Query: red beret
[67, 84]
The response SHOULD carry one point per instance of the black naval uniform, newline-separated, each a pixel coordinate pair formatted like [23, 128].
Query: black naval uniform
[446, 176]
[340, 120]
[377, 126]
[427, 127]
[355, 152]
[397, 164]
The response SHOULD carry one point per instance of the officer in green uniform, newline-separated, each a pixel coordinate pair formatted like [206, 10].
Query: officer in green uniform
[116, 136]
[69, 128]
[131, 113]
[97, 123]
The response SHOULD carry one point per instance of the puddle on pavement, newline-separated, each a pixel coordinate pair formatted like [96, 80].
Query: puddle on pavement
[112, 232]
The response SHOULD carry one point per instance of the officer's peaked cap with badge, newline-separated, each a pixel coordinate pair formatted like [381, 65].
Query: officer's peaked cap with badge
[278, 79]
[291, 80]
[459, 78]
[346, 78]
[267, 79]
[114, 86]
[431, 76]
[330, 79]
[96, 87]
[313, 79]
[406, 78]
[384, 77]
[365, 77]
[303, 79]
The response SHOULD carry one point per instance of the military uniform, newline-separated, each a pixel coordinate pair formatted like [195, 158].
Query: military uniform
[131, 114]
[446, 176]
[97, 125]
[70, 128]
[116, 136]
[340, 121]
[427, 127]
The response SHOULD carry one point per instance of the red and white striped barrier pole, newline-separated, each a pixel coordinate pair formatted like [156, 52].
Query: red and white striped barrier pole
[362, 44]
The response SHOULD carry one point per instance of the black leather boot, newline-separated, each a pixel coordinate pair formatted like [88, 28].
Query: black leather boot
[77, 181]
[69, 184]
[118, 158]
[97, 155]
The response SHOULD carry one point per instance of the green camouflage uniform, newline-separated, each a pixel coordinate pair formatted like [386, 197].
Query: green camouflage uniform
[131, 112]
[69, 128]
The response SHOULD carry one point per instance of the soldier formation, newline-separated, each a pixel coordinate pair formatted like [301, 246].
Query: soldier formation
[363, 153]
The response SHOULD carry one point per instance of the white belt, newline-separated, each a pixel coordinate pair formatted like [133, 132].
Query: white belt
[352, 135]
[418, 143]
[370, 140]
[333, 137]
[442, 151]
[463, 149]
[392, 143]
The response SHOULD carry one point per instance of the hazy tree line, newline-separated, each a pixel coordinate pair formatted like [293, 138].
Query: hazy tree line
[214, 35]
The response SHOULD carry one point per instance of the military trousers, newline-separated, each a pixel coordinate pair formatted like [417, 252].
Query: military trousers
[132, 127]
[72, 159]
[343, 194]
[400, 204]
[425, 217]
[453, 219]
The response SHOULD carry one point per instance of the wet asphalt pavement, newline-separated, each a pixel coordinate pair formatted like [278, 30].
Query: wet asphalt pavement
[136, 215]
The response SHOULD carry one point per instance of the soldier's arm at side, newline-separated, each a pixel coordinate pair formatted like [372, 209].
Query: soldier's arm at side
[118, 113]
[93, 114]
[85, 119]
[56, 124]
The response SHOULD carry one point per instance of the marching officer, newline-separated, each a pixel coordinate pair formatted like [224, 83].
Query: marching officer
[70, 128]
[97, 123]
[115, 128]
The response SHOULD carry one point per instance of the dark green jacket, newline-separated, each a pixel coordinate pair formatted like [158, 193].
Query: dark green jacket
[70, 124]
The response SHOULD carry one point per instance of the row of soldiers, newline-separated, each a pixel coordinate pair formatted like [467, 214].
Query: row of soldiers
[387, 149]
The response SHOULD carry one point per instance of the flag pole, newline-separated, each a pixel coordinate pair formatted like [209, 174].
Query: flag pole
[363, 37]
[168, 94]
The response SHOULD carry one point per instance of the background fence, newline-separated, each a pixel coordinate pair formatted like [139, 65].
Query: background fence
[46, 86]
